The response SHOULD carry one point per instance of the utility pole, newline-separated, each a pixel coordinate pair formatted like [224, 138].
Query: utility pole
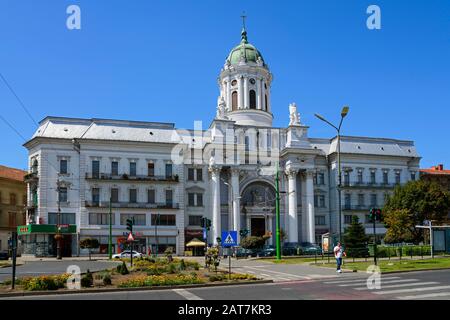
[374, 239]
[156, 233]
[58, 235]
[110, 228]
[14, 256]
[277, 213]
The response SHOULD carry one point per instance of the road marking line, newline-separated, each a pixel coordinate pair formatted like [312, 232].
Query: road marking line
[283, 279]
[266, 275]
[357, 280]
[383, 282]
[186, 294]
[424, 296]
[401, 285]
[282, 273]
[412, 290]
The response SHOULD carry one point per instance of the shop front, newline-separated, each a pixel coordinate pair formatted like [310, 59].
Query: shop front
[39, 240]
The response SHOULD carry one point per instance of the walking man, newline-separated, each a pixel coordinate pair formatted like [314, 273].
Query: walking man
[338, 252]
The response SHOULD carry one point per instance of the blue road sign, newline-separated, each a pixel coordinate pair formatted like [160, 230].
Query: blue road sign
[229, 239]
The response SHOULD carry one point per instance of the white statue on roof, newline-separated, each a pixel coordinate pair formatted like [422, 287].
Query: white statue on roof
[221, 109]
[294, 117]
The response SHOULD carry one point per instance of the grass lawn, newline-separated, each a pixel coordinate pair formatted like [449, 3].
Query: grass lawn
[397, 265]
[290, 260]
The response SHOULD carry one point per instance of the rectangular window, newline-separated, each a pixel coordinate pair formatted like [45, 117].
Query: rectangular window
[319, 220]
[168, 170]
[385, 177]
[95, 196]
[132, 169]
[191, 199]
[151, 169]
[321, 178]
[12, 199]
[95, 169]
[101, 219]
[66, 218]
[199, 200]
[413, 176]
[397, 177]
[346, 178]
[63, 166]
[114, 168]
[348, 219]
[360, 177]
[373, 179]
[322, 201]
[361, 199]
[199, 174]
[163, 220]
[114, 195]
[348, 201]
[151, 196]
[133, 195]
[139, 219]
[373, 200]
[169, 197]
[191, 174]
[12, 220]
[195, 220]
[63, 194]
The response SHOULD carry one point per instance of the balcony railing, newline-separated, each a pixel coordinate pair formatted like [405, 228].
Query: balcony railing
[368, 185]
[347, 207]
[31, 177]
[108, 176]
[130, 205]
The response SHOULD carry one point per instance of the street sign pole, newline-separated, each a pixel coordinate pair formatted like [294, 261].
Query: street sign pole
[374, 240]
[431, 240]
[110, 230]
[229, 263]
[277, 213]
[14, 256]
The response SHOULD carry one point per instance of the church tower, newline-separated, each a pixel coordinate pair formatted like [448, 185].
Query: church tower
[244, 83]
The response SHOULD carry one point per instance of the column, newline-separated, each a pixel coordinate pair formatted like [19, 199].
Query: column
[310, 223]
[215, 181]
[263, 95]
[241, 93]
[293, 224]
[258, 94]
[236, 201]
[246, 106]
[228, 95]
[269, 228]
[304, 209]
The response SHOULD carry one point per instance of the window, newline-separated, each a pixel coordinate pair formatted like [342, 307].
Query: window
[34, 167]
[163, 220]
[234, 100]
[101, 219]
[95, 195]
[191, 174]
[195, 220]
[319, 220]
[346, 178]
[133, 169]
[12, 220]
[385, 177]
[199, 200]
[413, 176]
[191, 199]
[95, 168]
[114, 195]
[66, 218]
[348, 219]
[169, 197]
[151, 196]
[360, 176]
[319, 201]
[320, 178]
[62, 194]
[234, 82]
[397, 177]
[348, 201]
[114, 168]
[265, 103]
[361, 199]
[12, 199]
[373, 200]
[373, 179]
[168, 170]
[150, 169]
[139, 219]
[63, 166]
[199, 174]
[252, 99]
[133, 195]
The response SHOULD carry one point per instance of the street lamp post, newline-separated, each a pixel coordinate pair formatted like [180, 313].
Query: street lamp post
[58, 235]
[344, 113]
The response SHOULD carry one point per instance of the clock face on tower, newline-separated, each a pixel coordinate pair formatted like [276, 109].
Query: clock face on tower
[252, 81]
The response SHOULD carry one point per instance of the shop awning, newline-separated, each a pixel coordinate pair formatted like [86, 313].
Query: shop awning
[195, 243]
[46, 229]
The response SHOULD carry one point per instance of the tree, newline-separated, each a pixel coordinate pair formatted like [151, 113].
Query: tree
[410, 205]
[253, 242]
[89, 243]
[355, 239]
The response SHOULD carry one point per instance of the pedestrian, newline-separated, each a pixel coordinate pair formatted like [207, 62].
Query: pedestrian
[338, 253]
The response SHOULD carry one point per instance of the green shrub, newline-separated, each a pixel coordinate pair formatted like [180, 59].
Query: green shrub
[182, 265]
[240, 276]
[107, 279]
[216, 277]
[163, 280]
[122, 268]
[171, 268]
[44, 282]
[87, 280]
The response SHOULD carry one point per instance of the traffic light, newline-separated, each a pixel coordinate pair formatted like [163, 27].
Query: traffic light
[375, 214]
[203, 222]
[208, 224]
[372, 214]
[243, 233]
[378, 216]
[130, 223]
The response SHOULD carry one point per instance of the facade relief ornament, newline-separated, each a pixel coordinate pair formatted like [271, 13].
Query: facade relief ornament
[291, 173]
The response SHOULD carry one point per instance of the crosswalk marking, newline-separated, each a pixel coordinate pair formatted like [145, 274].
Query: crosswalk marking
[357, 280]
[412, 290]
[401, 285]
[187, 295]
[382, 282]
[425, 296]
[280, 273]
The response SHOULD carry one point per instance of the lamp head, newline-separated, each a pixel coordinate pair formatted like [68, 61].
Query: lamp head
[344, 111]
[319, 116]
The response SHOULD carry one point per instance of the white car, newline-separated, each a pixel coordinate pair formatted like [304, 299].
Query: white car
[126, 254]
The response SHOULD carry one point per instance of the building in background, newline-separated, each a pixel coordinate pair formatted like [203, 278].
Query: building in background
[13, 198]
[167, 179]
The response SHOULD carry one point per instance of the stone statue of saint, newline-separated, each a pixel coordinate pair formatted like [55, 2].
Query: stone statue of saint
[294, 117]
[221, 108]
[259, 62]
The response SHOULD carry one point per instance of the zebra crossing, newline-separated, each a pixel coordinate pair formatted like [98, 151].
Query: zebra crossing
[278, 276]
[395, 287]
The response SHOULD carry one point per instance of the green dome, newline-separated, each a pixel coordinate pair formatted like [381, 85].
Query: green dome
[246, 50]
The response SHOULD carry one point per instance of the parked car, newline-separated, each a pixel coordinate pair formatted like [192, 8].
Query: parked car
[309, 248]
[241, 252]
[4, 255]
[127, 254]
[267, 252]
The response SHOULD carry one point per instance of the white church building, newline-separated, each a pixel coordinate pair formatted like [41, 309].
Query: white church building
[167, 178]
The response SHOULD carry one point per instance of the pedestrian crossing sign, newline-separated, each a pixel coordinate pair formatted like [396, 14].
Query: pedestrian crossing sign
[229, 239]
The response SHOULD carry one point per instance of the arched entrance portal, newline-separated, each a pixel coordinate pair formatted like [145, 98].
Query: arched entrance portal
[258, 207]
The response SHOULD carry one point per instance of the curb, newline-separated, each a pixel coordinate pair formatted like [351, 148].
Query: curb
[186, 286]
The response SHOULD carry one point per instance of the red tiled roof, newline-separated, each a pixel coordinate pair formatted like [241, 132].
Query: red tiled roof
[438, 170]
[12, 173]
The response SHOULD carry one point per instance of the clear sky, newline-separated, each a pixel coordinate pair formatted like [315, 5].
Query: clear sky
[158, 60]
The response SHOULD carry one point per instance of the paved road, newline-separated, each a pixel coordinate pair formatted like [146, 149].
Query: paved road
[35, 268]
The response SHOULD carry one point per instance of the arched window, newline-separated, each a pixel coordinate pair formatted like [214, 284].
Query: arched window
[252, 99]
[265, 103]
[234, 100]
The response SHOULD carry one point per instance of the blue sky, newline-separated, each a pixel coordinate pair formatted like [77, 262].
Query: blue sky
[158, 60]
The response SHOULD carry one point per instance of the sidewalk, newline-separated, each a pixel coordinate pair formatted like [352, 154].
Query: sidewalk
[24, 259]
